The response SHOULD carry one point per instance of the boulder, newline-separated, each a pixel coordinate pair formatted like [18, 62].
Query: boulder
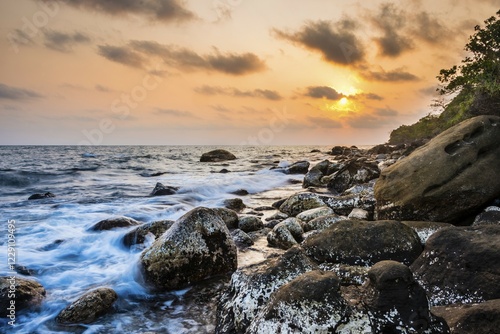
[352, 173]
[321, 223]
[230, 217]
[41, 196]
[251, 287]
[357, 213]
[425, 229]
[482, 318]
[490, 216]
[161, 190]
[235, 204]
[241, 239]
[196, 247]
[446, 180]
[314, 176]
[301, 202]
[217, 156]
[300, 167]
[138, 235]
[29, 293]
[250, 223]
[112, 223]
[461, 265]
[343, 205]
[88, 307]
[286, 234]
[357, 242]
[314, 213]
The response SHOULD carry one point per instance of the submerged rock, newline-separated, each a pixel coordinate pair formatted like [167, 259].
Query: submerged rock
[217, 156]
[112, 223]
[162, 190]
[196, 247]
[138, 236]
[41, 196]
[88, 307]
[461, 265]
[447, 179]
[29, 293]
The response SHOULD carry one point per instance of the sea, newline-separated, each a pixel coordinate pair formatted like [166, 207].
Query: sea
[54, 246]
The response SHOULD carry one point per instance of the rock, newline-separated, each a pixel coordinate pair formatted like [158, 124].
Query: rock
[278, 203]
[425, 229]
[196, 247]
[314, 213]
[161, 190]
[381, 149]
[313, 178]
[277, 216]
[343, 205]
[490, 216]
[461, 265]
[230, 217]
[23, 270]
[251, 287]
[315, 151]
[359, 214]
[357, 242]
[29, 293]
[341, 150]
[224, 171]
[447, 179]
[217, 156]
[138, 235]
[250, 224]
[286, 234]
[88, 307]
[396, 300]
[300, 167]
[483, 318]
[311, 303]
[235, 204]
[348, 275]
[321, 223]
[264, 208]
[240, 192]
[353, 173]
[112, 223]
[241, 239]
[41, 196]
[301, 202]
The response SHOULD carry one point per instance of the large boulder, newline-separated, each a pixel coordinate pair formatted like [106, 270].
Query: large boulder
[196, 247]
[88, 307]
[482, 318]
[217, 156]
[446, 180]
[299, 167]
[112, 223]
[461, 265]
[352, 173]
[357, 242]
[139, 235]
[252, 286]
[28, 293]
[321, 223]
[314, 176]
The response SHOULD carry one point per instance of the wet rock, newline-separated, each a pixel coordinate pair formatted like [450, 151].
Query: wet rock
[196, 247]
[300, 167]
[357, 242]
[138, 236]
[264, 208]
[162, 190]
[348, 275]
[88, 307]
[41, 196]
[482, 318]
[446, 180]
[241, 239]
[315, 151]
[251, 287]
[313, 178]
[314, 213]
[112, 223]
[354, 172]
[240, 192]
[490, 216]
[217, 156]
[461, 265]
[321, 223]
[277, 216]
[359, 214]
[224, 171]
[23, 270]
[425, 229]
[311, 303]
[343, 205]
[250, 223]
[230, 217]
[278, 203]
[301, 202]
[29, 293]
[286, 234]
[235, 204]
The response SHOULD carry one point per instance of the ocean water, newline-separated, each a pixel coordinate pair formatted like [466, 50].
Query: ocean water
[95, 183]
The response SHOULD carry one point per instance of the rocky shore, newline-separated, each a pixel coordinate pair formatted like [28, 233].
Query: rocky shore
[394, 239]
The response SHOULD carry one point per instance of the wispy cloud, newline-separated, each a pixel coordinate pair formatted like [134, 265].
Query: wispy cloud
[231, 91]
[18, 94]
[174, 112]
[122, 55]
[64, 42]
[320, 92]
[396, 75]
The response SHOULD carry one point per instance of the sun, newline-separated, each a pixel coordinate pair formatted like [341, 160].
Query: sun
[343, 101]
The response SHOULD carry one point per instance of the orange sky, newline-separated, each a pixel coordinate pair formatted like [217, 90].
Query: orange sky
[169, 72]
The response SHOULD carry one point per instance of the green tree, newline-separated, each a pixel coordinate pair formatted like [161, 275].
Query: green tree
[479, 72]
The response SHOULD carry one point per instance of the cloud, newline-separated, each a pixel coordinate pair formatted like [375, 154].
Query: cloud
[386, 112]
[320, 92]
[325, 122]
[122, 55]
[396, 75]
[174, 112]
[136, 53]
[370, 96]
[18, 37]
[156, 10]
[102, 88]
[430, 29]
[18, 94]
[64, 42]
[231, 91]
[391, 21]
[220, 108]
[365, 122]
[336, 42]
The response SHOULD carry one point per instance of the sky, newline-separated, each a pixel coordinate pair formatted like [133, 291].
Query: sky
[224, 72]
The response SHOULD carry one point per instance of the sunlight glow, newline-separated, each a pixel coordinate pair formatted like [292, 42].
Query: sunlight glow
[343, 101]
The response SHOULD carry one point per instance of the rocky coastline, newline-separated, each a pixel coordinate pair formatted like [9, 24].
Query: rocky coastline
[394, 239]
